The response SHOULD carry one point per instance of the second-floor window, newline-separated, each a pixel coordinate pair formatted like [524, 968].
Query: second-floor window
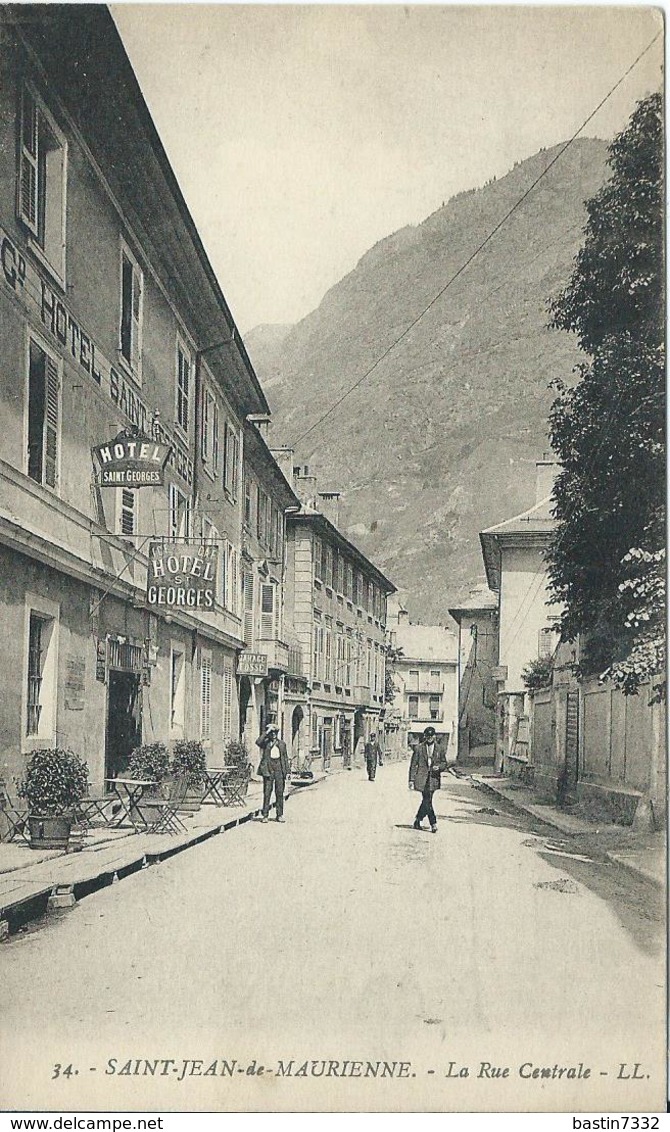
[248, 608]
[183, 386]
[210, 432]
[413, 707]
[130, 339]
[248, 505]
[42, 180]
[43, 415]
[231, 461]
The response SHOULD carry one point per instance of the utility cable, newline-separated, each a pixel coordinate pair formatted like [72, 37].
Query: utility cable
[477, 250]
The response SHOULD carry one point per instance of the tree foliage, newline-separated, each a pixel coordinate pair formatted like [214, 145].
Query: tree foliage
[608, 429]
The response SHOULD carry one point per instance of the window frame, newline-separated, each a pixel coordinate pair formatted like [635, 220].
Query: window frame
[133, 369]
[47, 731]
[183, 350]
[37, 239]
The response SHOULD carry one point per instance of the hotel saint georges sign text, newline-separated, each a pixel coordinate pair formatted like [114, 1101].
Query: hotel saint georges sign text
[182, 575]
[131, 460]
[27, 286]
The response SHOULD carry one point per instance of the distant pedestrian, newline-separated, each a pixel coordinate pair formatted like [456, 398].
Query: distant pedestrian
[274, 770]
[427, 763]
[372, 756]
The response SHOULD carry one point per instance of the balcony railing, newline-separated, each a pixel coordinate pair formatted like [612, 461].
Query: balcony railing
[277, 653]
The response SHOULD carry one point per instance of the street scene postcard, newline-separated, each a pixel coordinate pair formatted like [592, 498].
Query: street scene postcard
[332, 560]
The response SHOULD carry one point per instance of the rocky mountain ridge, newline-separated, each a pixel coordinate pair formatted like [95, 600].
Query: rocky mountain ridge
[441, 439]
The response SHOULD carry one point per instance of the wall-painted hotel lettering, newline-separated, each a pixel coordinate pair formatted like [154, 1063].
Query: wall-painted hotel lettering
[25, 282]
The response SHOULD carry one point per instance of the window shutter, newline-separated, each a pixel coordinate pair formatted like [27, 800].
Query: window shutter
[267, 612]
[135, 316]
[205, 695]
[227, 698]
[248, 591]
[234, 603]
[51, 423]
[28, 170]
[127, 512]
[215, 436]
[205, 425]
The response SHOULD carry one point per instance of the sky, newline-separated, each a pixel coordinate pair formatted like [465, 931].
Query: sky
[302, 135]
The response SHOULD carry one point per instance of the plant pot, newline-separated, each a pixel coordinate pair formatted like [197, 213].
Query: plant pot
[52, 832]
[192, 800]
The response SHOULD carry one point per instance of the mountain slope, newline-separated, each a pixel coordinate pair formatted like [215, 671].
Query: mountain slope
[441, 440]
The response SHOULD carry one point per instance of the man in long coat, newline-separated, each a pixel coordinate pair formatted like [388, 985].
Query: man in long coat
[274, 770]
[427, 762]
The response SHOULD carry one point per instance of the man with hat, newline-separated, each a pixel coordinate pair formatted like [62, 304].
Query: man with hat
[427, 762]
[274, 770]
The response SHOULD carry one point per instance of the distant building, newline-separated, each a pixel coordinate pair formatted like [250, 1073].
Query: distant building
[425, 676]
[265, 661]
[477, 619]
[336, 599]
[516, 570]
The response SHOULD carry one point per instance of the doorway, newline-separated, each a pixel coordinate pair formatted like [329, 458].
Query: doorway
[296, 736]
[245, 697]
[123, 730]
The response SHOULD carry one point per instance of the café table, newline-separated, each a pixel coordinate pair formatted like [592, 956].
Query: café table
[223, 786]
[130, 792]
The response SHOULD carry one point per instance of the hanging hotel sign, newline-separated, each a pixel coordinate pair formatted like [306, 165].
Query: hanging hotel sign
[182, 575]
[252, 664]
[26, 285]
[131, 461]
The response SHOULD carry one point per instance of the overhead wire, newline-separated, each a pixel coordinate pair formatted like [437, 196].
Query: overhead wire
[452, 279]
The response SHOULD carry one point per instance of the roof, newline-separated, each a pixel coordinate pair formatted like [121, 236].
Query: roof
[479, 600]
[324, 526]
[531, 528]
[100, 94]
[426, 643]
[259, 457]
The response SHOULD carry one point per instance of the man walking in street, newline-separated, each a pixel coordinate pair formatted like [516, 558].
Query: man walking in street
[274, 770]
[372, 756]
[426, 765]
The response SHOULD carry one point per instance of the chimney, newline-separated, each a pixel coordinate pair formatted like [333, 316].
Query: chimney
[546, 471]
[262, 422]
[329, 505]
[284, 457]
[304, 486]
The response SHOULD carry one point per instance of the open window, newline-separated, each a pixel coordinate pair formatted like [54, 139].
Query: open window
[130, 337]
[42, 182]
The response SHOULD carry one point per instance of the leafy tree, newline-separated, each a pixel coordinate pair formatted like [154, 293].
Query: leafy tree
[606, 557]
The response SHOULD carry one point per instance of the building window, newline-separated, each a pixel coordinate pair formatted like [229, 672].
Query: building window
[434, 703]
[328, 566]
[547, 638]
[183, 386]
[177, 697]
[231, 460]
[268, 612]
[329, 655]
[350, 581]
[435, 685]
[413, 707]
[210, 432]
[42, 181]
[180, 513]
[248, 505]
[43, 415]
[40, 687]
[279, 534]
[126, 515]
[205, 694]
[318, 564]
[130, 345]
[413, 679]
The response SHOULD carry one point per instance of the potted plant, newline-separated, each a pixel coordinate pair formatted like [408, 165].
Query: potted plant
[150, 762]
[55, 781]
[236, 755]
[189, 762]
